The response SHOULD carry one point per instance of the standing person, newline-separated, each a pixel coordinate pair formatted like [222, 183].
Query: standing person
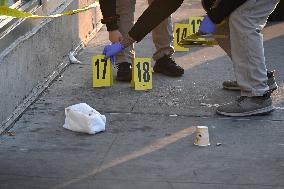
[119, 19]
[245, 47]
[225, 44]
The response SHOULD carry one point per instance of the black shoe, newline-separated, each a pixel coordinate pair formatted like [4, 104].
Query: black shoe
[166, 65]
[124, 72]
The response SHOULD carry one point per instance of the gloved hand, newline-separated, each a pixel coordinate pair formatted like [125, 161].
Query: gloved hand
[111, 50]
[207, 26]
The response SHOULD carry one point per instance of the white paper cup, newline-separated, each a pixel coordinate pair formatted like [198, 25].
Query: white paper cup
[201, 136]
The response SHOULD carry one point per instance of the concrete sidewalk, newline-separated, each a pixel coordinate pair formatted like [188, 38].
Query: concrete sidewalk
[149, 137]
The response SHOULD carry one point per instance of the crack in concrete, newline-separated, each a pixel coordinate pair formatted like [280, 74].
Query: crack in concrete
[194, 116]
[149, 180]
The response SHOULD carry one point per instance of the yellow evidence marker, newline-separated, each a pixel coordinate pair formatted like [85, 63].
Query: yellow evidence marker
[102, 72]
[181, 31]
[194, 23]
[142, 74]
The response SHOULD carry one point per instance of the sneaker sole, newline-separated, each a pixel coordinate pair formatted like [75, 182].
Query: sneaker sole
[167, 73]
[271, 88]
[262, 111]
[123, 79]
[232, 88]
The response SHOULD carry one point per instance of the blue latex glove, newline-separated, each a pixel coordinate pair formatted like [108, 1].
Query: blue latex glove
[207, 26]
[110, 51]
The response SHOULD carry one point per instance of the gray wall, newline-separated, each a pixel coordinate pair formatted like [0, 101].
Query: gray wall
[33, 57]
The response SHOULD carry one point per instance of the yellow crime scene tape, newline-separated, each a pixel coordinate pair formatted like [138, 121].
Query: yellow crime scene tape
[9, 12]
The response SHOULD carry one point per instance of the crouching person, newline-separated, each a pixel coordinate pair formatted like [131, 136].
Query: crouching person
[245, 21]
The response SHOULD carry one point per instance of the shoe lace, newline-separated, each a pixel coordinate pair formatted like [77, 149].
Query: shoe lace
[171, 60]
[118, 67]
[241, 98]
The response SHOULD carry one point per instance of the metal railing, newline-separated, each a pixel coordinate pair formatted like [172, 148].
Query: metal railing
[12, 28]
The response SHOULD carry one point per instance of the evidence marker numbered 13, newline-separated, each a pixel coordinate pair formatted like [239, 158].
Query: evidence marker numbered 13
[181, 31]
[194, 23]
[102, 72]
[142, 74]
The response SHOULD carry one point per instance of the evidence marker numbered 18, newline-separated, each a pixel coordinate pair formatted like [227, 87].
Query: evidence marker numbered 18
[181, 31]
[142, 74]
[102, 72]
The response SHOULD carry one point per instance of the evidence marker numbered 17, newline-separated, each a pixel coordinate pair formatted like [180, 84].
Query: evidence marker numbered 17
[194, 23]
[102, 72]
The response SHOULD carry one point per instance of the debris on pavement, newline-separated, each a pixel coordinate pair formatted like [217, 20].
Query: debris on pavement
[173, 115]
[218, 144]
[83, 118]
[210, 105]
[73, 59]
[11, 133]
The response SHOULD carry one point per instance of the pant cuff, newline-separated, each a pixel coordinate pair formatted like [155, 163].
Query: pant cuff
[254, 92]
[125, 57]
[162, 52]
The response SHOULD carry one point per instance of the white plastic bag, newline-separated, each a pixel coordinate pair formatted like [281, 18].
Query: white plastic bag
[83, 118]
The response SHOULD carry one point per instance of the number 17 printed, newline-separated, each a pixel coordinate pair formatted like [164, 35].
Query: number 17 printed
[102, 72]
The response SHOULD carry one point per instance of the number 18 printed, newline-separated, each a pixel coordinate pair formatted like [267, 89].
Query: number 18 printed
[141, 74]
